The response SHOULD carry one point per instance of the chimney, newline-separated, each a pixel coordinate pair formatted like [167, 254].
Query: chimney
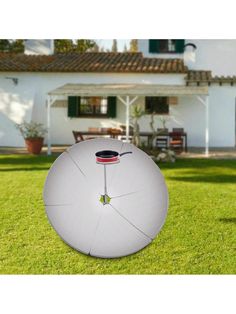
[39, 46]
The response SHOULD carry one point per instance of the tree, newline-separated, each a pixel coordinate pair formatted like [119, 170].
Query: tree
[60, 45]
[136, 114]
[18, 46]
[12, 45]
[68, 45]
[125, 48]
[4, 45]
[134, 45]
[63, 45]
[154, 129]
[83, 45]
[114, 46]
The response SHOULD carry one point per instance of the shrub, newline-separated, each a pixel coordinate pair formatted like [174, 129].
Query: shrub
[31, 129]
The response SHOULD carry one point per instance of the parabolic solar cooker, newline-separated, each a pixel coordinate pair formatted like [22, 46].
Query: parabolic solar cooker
[106, 198]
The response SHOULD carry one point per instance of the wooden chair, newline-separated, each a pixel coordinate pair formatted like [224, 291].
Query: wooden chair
[162, 138]
[78, 136]
[181, 130]
[114, 133]
[176, 140]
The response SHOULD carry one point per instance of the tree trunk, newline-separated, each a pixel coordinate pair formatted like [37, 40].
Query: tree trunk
[154, 132]
[136, 136]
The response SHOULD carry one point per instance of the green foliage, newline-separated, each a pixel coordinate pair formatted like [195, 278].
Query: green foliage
[18, 46]
[63, 45]
[68, 45]
[10, 45]
[134, 45]
[114, 47]
[137, 111]
[31, 129]
[198, 236]
[5, 45]
[83, 45]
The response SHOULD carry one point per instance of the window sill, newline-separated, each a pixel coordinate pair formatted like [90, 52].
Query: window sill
[166, 52]
[91, 117]
[157, 114]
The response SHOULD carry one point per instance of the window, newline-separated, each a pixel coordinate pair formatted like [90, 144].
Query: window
[93, 106]
[166, 45]
[159, 105]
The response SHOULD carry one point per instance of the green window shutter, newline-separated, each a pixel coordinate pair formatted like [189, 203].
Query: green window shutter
[73, 106]
[111, 107]
[153, 45]
[179, 45]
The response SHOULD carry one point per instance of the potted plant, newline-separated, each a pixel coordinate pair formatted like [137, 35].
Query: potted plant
[33, 134]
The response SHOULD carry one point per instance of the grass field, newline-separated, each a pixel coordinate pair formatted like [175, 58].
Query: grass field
[199, 236]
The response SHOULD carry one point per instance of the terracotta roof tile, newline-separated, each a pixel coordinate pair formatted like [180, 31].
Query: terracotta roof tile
[198, 76]
[224, 79]
[205, 77]
[90, 62]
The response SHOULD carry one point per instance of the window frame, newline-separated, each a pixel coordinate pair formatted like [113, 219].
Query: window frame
[168, 44]
[94, 114]
[151, 111]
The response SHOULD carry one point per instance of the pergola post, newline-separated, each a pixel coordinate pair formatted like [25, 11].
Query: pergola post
[127, 119]
[49, 152]
[205, 102]
[127, 102]
[207, 126]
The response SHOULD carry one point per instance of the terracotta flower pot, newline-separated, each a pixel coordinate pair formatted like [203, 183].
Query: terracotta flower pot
[34, 145]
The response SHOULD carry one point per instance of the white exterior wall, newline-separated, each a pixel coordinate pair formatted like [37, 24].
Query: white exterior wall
[27, 101]
[216, 55]
[16, 105]
[189, 113]
[222, 115]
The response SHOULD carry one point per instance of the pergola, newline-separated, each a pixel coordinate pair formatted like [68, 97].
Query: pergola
[127, 94]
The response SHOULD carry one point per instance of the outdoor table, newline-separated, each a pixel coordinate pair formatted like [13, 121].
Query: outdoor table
[148, 135]
[101, 133]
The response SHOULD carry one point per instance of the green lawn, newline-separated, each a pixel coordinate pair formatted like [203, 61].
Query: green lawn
[199, 236]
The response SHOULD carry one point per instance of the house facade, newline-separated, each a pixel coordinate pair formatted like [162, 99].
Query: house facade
[173, 68]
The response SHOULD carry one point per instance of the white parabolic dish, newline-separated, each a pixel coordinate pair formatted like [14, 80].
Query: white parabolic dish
[136, 203]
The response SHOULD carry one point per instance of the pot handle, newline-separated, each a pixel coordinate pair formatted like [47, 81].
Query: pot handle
[125, 153]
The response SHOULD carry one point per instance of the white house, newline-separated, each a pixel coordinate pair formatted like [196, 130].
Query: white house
[191, 82]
